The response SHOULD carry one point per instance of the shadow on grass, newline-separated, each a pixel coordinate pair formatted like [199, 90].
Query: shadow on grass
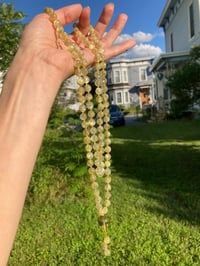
[164, 158]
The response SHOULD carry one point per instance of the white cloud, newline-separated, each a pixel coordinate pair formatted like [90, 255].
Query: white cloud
[123, 37]
[144, 47]
[143, 37]
[143, 50]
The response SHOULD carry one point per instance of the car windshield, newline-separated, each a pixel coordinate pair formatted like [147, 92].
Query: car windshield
[114, 108]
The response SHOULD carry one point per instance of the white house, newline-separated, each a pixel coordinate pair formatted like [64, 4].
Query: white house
[180, 20]
[67, 96]
[130, 81]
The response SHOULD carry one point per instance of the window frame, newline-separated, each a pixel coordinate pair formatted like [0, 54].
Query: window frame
[172, 42]
[119, 93]
[142, 73]
[191, 20]
[117, 76]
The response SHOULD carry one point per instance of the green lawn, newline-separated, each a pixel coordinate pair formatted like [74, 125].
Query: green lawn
[155, 212]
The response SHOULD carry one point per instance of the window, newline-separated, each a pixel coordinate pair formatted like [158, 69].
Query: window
[191, 20]
[172, 42]
[125, 79]
[166, 94]
[126, 96]
[111, 98]
[143, 74]
[119, 97]
[117, 76]
[109, 77]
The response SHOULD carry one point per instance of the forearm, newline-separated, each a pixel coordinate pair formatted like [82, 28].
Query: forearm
[28, 94]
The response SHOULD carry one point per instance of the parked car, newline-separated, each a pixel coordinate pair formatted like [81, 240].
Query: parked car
[116, 115]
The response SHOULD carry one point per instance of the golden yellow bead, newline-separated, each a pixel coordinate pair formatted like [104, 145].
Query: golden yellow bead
[107, 252]
[108, 171]
[106, 240]
[107, 187]
[107, 164]
[108, 179]
[107, 203]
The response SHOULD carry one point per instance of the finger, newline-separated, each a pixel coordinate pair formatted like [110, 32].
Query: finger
[119, 49]
[115, 31]
[104, 20]
[84, 20]
[69, 14]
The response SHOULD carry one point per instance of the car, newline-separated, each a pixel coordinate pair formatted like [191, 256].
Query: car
[116, 115]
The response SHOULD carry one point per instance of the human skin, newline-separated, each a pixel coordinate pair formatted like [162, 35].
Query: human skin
[29, 90]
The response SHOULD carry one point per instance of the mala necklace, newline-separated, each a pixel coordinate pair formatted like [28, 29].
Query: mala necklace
[95, 124]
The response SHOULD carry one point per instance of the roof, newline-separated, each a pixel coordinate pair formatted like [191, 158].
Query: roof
[129, 60]
[144, 83]
[166, 12]
[169, 57]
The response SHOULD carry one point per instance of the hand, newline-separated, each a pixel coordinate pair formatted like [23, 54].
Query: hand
[39, 37]
[29, 91]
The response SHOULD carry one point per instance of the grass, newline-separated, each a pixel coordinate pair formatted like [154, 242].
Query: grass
[155, 213]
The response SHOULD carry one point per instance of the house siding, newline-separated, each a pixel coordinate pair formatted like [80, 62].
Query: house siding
[176, 22]
[130, 89]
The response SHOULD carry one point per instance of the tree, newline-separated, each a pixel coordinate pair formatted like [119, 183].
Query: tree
[11, 28]
[185, 83]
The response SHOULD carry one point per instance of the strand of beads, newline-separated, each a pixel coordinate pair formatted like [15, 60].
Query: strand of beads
[95, 125]
[101, 146]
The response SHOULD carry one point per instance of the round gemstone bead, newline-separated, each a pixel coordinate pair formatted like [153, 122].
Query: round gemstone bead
[106, 240]
[107, 149]
[89, 155]
[107, 203]
[108, 187]
[107, 252]
[107, 171]
[107, 164]
[100, 171]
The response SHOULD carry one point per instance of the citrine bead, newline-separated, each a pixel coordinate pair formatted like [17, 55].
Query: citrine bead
[107, 149]
[100, 171]
[107, 252]
[107, 171]
[107, 164]
[90, 155]
[106, 240]
[108, 180]
[107, 203]
[107, 187]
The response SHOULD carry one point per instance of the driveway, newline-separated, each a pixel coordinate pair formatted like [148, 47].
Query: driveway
[131, 119]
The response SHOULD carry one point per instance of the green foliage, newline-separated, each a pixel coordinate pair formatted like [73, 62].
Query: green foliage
[133, 109]
[57, 116]
[155, 209]
[11, 28]
[63, 154]
[185, 83]
[178, 106]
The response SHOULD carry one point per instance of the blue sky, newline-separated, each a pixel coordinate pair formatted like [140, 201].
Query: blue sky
[141, 26]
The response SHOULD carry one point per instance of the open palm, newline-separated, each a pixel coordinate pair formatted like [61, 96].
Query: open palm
[41, 34]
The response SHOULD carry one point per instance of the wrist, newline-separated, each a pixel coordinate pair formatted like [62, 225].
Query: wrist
[28, 67]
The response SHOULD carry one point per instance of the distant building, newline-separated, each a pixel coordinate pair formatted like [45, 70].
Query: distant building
[130, 81]
[67, 97]
[180, 20]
